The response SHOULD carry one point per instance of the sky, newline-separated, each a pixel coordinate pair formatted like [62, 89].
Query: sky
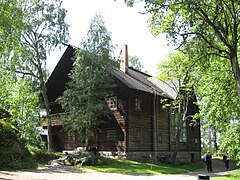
[126, 25]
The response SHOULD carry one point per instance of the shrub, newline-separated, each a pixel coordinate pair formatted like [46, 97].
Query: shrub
[13, 152]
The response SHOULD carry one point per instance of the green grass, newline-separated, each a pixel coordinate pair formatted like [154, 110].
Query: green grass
[134, 167]
[234, 175]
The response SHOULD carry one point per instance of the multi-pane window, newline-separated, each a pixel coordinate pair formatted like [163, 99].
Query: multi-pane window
[111, 135]
[183, 133]
[71, 136]
[137, 134]
[178, 127]
[112, 102]
[137, 103]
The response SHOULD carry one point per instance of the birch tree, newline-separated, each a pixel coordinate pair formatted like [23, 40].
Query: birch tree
[176, 72]
[90, 81]
[44, 29]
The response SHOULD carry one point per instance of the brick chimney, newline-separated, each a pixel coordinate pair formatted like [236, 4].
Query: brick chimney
[124, 58]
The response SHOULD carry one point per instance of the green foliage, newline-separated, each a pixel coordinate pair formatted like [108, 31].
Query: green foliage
[23, 107]
[135, 63]
[207, 30]
[90, 81]
[230, 141]
[207, 33]
[29, 31]
[213, 84]
[13, 154]
[134, 167]
[45, 29]
[176, 68]
[18, 121]
[11, 26]
[233, 175]
[23, 158]
[176, 72]
[41, 155]
[8, 133]
[16, 152]
[15, 158]
[218, 100]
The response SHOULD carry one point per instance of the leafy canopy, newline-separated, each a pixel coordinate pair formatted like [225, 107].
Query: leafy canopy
[135, 63]
[205, 29]
[30, 30]
[207, 33]
[90, 80]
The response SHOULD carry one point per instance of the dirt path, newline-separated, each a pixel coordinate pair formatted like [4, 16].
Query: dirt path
[65, 173]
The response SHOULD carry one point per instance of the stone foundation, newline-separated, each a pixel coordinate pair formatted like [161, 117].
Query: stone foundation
[182, 157]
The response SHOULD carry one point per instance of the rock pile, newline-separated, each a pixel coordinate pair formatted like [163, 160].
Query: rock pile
[80, 157]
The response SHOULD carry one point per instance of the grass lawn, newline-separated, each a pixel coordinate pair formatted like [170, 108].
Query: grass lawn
[234, 175]
[134, 167]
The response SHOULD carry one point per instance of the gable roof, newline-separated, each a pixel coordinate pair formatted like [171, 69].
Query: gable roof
[131, 78]
[59, 77]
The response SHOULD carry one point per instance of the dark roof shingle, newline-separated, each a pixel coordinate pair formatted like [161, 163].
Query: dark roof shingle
[132, 78]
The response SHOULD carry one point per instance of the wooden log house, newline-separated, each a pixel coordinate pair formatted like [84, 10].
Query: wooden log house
[139, 127]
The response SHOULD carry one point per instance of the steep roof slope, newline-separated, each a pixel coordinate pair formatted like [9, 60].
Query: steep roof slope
[131, 78]
[56, 82]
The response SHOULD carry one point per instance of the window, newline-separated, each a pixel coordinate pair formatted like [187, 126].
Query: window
[137, 134]
[183, 134]
[112, 102]
[137, 103]
[178, 127]
[160, 139]
[111, 135]
[71, 136]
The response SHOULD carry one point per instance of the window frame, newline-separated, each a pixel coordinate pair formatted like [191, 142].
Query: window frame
[137, 103]
[112, 102]
[111, 135]
[137, 134]
[71, 136]
[177, 124]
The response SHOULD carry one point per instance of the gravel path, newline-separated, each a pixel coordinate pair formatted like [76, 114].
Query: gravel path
[65, 173]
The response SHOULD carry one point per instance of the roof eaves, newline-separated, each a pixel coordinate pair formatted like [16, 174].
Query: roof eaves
[145, 80]
[129, 81]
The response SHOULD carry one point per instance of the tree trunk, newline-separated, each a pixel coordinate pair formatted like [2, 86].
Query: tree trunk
[47, 107]
[174, 155]
[210, 139]
[235, 67]
[215, 140]
[182, 106]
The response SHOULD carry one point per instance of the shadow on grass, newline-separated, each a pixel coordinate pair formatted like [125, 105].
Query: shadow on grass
[137, 168]
[233, 175]
[56, 169]
[43, 169]
[118, 166]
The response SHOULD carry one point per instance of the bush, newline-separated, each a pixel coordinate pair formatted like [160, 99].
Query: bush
[8, 134]
[13, 159]
[45, 156]
[17, 153]
[41, 155]
[13, 152]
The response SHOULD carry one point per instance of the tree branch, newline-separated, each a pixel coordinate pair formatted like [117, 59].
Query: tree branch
[23, 73]
[211, 45]
[216, 29]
